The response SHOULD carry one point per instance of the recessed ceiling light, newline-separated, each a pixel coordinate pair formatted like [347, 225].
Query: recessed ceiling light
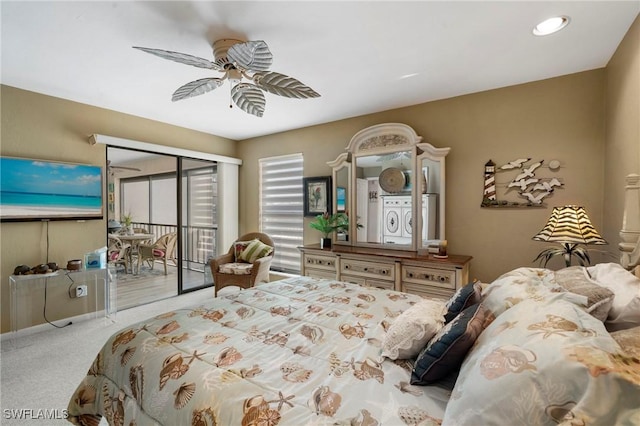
[551, 25]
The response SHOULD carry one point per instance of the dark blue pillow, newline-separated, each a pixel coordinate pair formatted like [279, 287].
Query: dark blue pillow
[445, 352]
[463, 298]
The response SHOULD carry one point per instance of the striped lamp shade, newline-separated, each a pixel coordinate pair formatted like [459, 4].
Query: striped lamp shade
[569, 224]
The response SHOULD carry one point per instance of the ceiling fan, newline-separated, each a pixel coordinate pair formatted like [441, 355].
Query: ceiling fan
[237, 60]
[114, 169]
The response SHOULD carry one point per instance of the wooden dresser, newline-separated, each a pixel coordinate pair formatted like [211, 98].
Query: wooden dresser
[392, 269]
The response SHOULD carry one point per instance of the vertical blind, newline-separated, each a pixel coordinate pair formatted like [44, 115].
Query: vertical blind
[281, 205]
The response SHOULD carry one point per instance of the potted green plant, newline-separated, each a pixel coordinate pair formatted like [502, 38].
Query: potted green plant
[127, 221]
[329, 223]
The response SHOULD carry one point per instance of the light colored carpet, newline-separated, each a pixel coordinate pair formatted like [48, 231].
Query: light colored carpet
[42, 371]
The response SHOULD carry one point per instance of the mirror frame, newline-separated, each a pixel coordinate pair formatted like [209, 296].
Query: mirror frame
[426, 151]
[343, 161]
[384, 139]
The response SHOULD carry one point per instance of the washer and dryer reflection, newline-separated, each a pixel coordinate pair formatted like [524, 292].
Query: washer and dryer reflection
[397, 219]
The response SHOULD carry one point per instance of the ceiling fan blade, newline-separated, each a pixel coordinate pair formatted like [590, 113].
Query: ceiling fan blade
[248, 98]
[251, 55]
[280, 84]
[182, 58]
[133, 169]
[110, 166]
[195, 88]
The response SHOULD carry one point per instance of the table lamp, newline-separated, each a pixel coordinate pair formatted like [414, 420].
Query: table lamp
[570, 226]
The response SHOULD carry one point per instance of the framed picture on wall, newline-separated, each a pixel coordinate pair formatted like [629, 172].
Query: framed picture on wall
[317, 195]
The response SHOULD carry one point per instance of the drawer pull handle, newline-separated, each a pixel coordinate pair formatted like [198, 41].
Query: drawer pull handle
[365, 269]
[346, 266]
[410, 274]
[384, 272]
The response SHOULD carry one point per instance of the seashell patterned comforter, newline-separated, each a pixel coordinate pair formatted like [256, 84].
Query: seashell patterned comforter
[300, 351]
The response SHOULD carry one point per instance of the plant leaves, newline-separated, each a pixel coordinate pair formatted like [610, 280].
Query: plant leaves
[195, 88]
[248, 98]
[280, 84]
[182, 58]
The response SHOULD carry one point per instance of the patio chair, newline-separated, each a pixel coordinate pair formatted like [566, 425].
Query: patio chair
[244, 271]
[118, 253]
[163, 250]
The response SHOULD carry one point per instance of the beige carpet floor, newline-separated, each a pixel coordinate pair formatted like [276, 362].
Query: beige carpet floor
[41, 371]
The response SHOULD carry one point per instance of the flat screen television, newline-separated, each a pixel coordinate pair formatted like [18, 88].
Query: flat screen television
[33, 189]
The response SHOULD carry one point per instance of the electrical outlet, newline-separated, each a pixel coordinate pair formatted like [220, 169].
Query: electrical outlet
[81, 291]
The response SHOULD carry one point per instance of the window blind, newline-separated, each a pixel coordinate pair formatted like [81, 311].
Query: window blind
[281, 208]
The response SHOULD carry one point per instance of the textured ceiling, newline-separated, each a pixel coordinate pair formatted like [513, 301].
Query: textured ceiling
[355, 54]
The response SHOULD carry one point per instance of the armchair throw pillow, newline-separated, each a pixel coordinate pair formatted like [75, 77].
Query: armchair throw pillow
[238, 248]
[255, 250]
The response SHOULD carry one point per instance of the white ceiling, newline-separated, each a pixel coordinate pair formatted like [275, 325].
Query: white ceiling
[353, 53]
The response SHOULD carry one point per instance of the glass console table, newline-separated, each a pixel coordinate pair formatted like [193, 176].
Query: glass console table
[33, 297]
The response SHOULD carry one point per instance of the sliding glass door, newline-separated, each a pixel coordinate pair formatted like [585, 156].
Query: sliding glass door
[199, 221]
[178, 217]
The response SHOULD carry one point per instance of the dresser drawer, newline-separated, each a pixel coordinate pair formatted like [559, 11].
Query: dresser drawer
[375, 270]
[441, 278]
[327, 263]
[423, 290]
[367, 282]
[320, 273]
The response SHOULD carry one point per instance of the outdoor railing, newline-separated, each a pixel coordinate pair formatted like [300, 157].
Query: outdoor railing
[198, 242]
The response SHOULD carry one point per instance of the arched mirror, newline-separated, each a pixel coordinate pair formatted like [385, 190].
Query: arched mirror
[393, 178]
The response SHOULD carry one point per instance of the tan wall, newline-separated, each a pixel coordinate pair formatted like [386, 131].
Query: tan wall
[560, 118]
[38, 126]
[622, 153]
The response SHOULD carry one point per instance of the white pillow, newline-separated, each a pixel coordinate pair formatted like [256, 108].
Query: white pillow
[625, 310]
[413, 329]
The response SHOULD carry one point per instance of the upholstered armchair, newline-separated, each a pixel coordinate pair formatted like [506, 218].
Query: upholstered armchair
[245, 264]
[164, 250]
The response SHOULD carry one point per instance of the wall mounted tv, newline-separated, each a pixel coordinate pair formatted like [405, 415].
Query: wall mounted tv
[49, 190]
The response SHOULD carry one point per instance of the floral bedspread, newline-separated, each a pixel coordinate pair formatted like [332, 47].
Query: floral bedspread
[294, 352]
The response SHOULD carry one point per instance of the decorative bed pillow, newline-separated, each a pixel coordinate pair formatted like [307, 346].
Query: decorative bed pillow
[629, 340]
[255, 250]
[238, 248]
[525, 284]
[446, 350]
[462, 299]
[625, 311]
[576, 280]
[411, 331]
[545, 364]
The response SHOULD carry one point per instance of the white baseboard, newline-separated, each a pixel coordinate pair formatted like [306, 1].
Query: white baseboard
[23, 332]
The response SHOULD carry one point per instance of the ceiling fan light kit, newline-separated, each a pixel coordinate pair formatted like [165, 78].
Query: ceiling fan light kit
[238, 60]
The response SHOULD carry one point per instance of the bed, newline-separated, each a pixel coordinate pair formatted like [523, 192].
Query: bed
[535, 347]
[296, 351]
[307, 351]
